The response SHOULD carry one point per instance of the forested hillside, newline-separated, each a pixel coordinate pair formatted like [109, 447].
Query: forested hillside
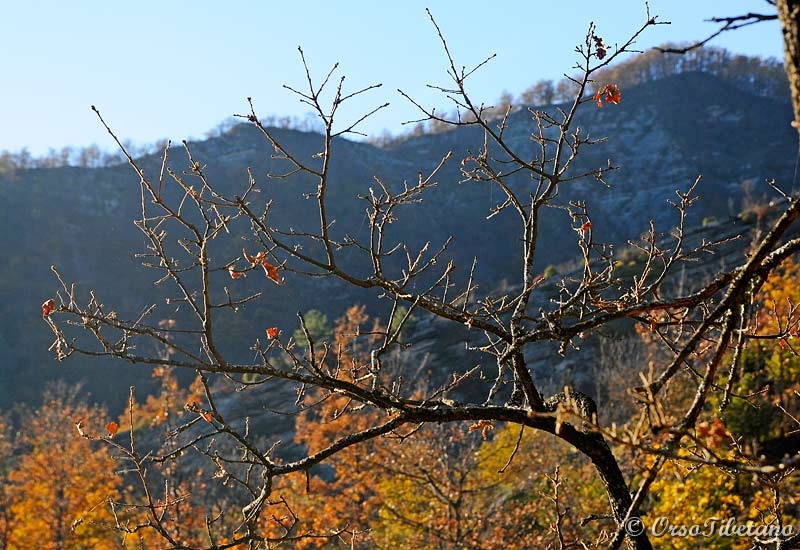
[667, 132]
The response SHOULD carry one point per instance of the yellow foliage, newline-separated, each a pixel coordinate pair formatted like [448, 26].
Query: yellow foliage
[61, 484]
[687, 494]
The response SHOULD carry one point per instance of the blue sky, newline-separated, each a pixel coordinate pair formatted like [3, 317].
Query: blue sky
[174, 69]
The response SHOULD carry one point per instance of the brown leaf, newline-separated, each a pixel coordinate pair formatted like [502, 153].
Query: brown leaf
[600, 47]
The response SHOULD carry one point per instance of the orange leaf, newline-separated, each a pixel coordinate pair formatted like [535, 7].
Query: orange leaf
[586, 226]
[610, 93]
[112, 428]
[206, 416]
[484, 426]
[272, 272]
[272, 332]
[613, 94]
[48, 307]
[235, 274]
[598, 97]
[783, 343]
[255, 260]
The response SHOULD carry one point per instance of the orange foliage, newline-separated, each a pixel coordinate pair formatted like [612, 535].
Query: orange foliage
[327, 503]
[185, 498]
[159, 407]
[61, 484]
[6, 493]
[610, 93]
[779, 297]
[429, 487]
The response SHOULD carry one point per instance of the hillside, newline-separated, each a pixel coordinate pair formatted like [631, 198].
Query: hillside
[662, 136]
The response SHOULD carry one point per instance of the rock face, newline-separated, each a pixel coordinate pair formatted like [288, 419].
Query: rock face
[662, 136]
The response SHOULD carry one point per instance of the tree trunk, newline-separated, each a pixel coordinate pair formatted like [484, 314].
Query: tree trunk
[595, 447]
[789, 14]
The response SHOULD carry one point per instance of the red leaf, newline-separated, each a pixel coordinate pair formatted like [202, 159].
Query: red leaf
[587, 226]
[235, 274]
[112, 428]
[272, 272]
[783, 343]
[206, 416]
[48, 307]
[272, 332]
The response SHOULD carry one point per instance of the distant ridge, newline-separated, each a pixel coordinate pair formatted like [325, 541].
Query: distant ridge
[662, 136]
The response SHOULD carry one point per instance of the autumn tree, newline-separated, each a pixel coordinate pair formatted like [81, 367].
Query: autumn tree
[435, 486]
[186, 504]
[768, 384]
[337, 504]
[58, 489]
[6, 449]
[755, 412]
[193, 227]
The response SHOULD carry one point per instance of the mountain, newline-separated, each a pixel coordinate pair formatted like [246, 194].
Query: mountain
[662, 136]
